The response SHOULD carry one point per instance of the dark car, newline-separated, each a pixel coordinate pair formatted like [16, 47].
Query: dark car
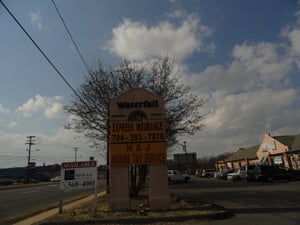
[40, 177]
[269, 173]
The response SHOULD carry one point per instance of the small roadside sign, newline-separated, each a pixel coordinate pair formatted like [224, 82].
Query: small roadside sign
[78, 175]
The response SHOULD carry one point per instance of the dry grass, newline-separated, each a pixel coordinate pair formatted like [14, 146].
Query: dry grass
[139, 209]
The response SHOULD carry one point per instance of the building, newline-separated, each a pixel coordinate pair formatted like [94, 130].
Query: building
[280, 150]
[242, 157]
[273, 150]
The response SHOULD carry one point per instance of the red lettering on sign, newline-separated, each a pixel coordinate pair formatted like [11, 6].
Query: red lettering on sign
[120, 159]
[83, 164]
[155, 158]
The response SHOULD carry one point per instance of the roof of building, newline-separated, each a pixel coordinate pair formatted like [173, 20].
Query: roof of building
[292, 141]
[244, 153]
[286, 140]
[296, 143]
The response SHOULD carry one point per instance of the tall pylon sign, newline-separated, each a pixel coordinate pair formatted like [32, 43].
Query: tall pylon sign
[137, 136]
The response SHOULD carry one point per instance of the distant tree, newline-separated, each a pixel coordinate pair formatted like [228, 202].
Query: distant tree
[101, 84]
[209, 162]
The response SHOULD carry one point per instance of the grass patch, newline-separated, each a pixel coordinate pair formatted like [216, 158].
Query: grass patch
[140, 209]
[16, 218]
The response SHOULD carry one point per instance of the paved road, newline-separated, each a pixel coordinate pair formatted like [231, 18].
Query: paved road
[251, 202]
[22, 200]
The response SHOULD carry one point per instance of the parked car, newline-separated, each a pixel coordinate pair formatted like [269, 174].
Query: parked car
[217, 174]
[56, 179]
[176, 176]
[224, 173]
[198, 173]
[208, 173]
[41, 177]
[235, 176]
[247, 172]
[295, 174]
[269, 173]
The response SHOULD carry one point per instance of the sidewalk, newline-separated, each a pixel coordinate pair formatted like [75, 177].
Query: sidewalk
[42, 216]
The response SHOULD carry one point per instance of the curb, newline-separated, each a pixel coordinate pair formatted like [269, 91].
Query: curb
[213, 216]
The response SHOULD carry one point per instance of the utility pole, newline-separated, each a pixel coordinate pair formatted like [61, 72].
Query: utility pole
[30, 142]
[186, 155]
[75, 150]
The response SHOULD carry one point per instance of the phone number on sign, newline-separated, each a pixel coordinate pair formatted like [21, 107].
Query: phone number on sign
[135, 137]
[80, 184]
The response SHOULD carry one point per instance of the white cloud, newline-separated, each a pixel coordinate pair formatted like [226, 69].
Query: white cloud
[265, 60]
[13, 124]
[3, 109]
[251, 95]
[138, 41]
[253, 67]
[53, 110]
[293, 36]
[36, 18]
[248, 110]
[292, 33]
[55, 148]
[51, 107]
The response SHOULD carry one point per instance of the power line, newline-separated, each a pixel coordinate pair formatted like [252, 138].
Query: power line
[49, 61]
[70, 35]
[40, 50]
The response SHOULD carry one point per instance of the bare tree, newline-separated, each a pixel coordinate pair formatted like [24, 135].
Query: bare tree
[102, 84]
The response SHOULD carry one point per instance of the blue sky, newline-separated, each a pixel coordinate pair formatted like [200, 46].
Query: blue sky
[242, 56]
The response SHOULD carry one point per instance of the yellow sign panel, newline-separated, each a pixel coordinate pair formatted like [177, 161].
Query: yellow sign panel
[138, 154]
[137, 132]
[137, 143]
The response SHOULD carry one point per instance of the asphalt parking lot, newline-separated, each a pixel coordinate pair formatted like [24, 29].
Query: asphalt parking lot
[251, 202]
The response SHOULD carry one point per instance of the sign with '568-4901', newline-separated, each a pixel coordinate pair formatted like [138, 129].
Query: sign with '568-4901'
[78, 175]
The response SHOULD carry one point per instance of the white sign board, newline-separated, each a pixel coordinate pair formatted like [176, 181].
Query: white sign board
[278, 160]
[78, 175]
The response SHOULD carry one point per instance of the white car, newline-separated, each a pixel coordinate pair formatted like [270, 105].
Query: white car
[198, 173]
[234, 176]
[55, 179]
[176, 176]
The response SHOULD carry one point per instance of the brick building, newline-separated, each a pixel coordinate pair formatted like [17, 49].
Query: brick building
[273, 150]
